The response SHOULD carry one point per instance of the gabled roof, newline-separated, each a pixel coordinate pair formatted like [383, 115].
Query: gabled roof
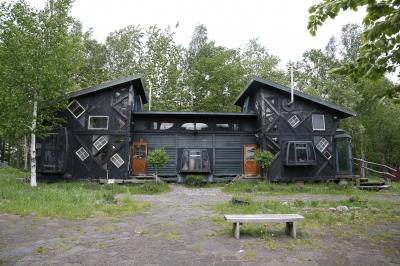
[255, 83]
[134, 79]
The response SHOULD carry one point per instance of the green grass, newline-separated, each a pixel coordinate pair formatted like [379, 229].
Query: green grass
[70, 199]
[316, 213]
[274, 189]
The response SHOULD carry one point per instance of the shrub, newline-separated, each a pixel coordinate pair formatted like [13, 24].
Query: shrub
[157, 158]
[264, 159]
[195, 181]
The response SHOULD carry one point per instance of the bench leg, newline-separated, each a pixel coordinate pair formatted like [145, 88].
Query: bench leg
[236, 230]
[291, 229]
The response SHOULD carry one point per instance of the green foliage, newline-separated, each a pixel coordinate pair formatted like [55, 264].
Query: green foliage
[379, 53]
[157, 158]
[195, 181]
[264, 159]
[288, 189]
[151, 188]
[68, 200]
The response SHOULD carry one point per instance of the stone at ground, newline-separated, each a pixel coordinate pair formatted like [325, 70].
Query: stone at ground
[285, 203]
[342, 208]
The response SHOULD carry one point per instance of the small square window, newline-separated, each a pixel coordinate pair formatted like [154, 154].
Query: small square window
[82, 154]
[117, 160]
[318, 122]
[75, 108]
[322, 144]
[327, 155]
[294, 121]
[100, 143]
[98, 122]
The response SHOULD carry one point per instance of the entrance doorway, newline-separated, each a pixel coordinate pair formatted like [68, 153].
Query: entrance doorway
[139, 158]
[250, 167]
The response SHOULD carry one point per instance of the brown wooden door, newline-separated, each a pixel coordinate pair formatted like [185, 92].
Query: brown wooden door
[139, 165]
[250, 167]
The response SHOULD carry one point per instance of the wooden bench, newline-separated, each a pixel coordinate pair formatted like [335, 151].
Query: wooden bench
[289, 219]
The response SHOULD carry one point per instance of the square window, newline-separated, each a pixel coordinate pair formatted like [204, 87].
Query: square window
[100, 143]
[75, 108]
[98, 122]
[327, 155]
[117, 160]
[82, 154]
[294, 121]
[322, 144]
[318, 122]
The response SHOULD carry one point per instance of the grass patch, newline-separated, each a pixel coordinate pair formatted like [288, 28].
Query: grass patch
[316, 213]
[173, 235]
[69, 199]
[274, 189]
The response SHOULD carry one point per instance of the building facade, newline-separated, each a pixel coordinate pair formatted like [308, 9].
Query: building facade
[109, 135]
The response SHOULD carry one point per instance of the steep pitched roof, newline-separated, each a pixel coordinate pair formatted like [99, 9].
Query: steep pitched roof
[134, 79]
[255, 83]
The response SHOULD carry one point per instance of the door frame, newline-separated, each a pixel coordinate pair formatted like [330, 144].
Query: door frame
[140, 144]
[255, 172]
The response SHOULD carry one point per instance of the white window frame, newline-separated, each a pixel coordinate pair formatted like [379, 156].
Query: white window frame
[99, 144]
[72, 111]
[117, 160]
[323, 120]
[322, 144]
[82, 154]
[294, 118]
[98, 116]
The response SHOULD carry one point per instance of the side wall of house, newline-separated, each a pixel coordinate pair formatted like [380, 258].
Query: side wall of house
[275, 132]
[106, 151]
[225, 149]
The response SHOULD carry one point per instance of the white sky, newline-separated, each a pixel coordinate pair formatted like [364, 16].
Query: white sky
[280, 25]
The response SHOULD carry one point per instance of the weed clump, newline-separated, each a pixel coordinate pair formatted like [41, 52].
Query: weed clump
[195, 181]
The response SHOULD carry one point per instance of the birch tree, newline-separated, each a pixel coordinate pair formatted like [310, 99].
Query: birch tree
[40, 51]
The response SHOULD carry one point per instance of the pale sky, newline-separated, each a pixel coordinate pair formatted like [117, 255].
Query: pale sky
[281, 26]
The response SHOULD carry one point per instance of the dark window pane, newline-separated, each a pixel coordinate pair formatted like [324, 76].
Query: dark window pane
[250, 151]
[318, 122]
[98, 122]
[291, 152]
[188, 126]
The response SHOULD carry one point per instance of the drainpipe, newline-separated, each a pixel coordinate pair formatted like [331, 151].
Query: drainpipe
[291, 85]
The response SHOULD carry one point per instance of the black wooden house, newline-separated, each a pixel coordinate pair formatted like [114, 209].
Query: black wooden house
[108, 135]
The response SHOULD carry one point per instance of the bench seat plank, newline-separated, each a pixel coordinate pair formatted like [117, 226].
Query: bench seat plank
[289, 219]
[261, 218]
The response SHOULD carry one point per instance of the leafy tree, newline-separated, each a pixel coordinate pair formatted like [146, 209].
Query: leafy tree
[264, 160]
[157, 158]
[379, 51]
[92, 70]
[39, 51]
[257, 61]
[212, 74]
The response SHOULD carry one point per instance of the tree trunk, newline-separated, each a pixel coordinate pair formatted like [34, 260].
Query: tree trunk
[3, 150]
[33, 145]
[25, 153]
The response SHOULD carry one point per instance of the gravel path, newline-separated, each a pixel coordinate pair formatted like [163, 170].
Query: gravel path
[175, 231]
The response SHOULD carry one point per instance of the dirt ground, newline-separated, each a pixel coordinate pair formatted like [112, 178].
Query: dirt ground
[176, 231]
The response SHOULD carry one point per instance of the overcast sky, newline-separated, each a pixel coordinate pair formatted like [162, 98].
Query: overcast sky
[280, 25]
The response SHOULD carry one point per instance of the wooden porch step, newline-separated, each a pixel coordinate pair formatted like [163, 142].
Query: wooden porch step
[144, 177]
[125, 181]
